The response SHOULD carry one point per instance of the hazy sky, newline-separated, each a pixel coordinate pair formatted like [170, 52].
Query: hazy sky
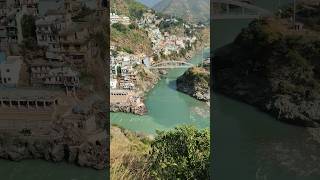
[149, 3]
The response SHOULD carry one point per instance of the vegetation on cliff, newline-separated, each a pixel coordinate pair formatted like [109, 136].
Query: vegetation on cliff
[196, 83]
[130, 8]
[145, 78]
[131, 40]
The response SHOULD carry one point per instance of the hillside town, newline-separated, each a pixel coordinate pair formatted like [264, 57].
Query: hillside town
[43, 60]
[126, 64]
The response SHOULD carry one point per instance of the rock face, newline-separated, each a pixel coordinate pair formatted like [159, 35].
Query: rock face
[88, 153]
[195, 82]
[279, 74]
[63, 141]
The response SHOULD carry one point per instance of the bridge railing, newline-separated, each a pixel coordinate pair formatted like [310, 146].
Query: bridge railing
[171, 65]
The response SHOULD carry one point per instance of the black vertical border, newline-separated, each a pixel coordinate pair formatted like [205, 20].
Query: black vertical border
[106, 5]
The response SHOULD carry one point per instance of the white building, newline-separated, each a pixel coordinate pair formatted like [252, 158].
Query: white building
[114, 18]
[113, 83]
[10, 70]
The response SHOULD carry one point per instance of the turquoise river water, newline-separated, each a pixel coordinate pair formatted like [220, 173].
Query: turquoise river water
[167, 107]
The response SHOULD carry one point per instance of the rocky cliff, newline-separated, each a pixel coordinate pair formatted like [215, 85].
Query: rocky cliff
[195, 82]
[274, 67]
[89, 153]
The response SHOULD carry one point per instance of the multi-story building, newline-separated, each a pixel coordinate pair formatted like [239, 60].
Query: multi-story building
[10, 70]
[47, 30]
[54, 74]
[73, 43]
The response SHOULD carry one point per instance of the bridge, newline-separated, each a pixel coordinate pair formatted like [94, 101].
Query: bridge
[171, 65]
[247, 10]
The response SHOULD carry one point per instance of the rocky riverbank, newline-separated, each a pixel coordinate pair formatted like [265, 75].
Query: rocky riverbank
[279, 74]
[139, 109]
[195, 82]
[89, 153]
[64, 140]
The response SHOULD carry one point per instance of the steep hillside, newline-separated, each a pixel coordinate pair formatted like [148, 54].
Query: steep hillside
[132, 40]
[196, 11]
[130, 8]
[129, 38]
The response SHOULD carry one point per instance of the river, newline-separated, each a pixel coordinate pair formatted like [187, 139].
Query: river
[168, 107]
[249, 144]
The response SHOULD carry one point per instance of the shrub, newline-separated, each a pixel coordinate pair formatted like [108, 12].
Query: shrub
[133, 26]
[181, 153]
[128, 50]
[119, 27]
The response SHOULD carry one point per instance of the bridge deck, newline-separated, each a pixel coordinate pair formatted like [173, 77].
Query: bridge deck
[258, 11]
[171, 65]
[234, 16]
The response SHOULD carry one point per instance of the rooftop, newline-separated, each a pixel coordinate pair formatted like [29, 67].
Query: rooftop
[9, 59]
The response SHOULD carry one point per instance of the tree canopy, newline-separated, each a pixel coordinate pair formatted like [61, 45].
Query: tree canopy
[181, 153]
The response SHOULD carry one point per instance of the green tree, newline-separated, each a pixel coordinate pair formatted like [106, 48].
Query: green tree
[183, 52]
[28, 27]
[181, 153]
[118, 70]
[120, 27]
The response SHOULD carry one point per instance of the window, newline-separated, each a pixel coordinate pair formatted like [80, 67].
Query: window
[9, 79]
[77, 47]
[8, 70]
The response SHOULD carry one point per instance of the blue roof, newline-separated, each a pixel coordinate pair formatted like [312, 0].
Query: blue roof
[2, 57]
